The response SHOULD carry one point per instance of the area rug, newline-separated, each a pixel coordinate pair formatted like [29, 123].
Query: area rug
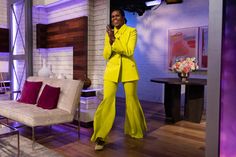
[8, 148]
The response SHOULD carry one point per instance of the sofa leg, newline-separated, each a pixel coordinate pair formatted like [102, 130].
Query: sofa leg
[78, 114]
[33, 137]
[78, 130]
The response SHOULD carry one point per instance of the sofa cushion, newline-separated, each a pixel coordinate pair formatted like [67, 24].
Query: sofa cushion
[30, 92]
[49, 97]
[31, 115]
[70, 91]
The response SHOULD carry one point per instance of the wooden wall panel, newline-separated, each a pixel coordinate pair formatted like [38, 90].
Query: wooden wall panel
[67, 33]
[4, 40]
[41, 36]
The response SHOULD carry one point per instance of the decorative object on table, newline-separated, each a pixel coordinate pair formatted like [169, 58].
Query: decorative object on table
[61, 76]
[183, 66]
[87, 82]
[52, 75]
[184, 76]
[44, 71]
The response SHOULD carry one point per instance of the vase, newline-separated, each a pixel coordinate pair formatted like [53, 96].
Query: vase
[44, 71]
[184, 76]
[61, 76]
[87, 82]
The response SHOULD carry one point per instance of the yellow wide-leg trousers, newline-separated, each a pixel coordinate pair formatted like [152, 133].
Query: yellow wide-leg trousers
[135, 124]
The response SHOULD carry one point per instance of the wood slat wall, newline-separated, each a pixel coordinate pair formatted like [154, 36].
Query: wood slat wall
[4, 40]
[67, 33]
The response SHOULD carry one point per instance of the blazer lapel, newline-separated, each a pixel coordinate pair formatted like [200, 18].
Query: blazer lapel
[119, 32]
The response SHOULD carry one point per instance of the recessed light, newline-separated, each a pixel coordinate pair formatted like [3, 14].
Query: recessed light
[152, 3]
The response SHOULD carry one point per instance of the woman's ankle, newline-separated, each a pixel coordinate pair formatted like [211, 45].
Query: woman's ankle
[100, 141]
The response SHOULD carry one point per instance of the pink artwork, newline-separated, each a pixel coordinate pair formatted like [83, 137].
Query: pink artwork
[182, 43]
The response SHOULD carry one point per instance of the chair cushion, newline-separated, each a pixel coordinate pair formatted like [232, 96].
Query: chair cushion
[49, 97]
[30, 92]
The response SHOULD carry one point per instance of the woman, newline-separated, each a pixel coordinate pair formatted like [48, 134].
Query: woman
[121, 67]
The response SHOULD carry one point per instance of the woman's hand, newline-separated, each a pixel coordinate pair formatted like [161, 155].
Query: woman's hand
[110, 33]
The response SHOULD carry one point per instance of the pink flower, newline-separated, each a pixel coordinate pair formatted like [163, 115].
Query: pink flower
[185, 65]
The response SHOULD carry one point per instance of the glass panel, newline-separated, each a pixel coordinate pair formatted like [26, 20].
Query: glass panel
[18, 46]
[18, 28]
[18, 75]
[4, 129]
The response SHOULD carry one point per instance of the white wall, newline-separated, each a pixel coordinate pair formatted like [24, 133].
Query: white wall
[98, 20]
[60, 60]
[3, 14]
[152, 46]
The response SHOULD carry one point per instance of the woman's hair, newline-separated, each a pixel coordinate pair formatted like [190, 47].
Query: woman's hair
[121, 11]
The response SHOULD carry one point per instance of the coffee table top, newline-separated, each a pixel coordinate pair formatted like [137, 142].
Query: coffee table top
[6, 130]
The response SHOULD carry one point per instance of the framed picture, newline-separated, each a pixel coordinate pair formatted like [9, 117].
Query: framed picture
[203, 47]
[182, 42]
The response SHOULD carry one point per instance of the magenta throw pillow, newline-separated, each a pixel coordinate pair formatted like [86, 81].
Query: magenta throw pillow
[49, 97]
[30, 92]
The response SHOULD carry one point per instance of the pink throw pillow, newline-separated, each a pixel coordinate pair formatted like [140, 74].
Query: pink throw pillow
[30, 92]
[49, 97]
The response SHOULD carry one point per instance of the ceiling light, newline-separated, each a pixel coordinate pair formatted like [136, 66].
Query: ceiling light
[152, 3]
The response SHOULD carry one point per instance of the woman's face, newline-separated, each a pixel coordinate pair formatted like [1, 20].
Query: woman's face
[117, 19]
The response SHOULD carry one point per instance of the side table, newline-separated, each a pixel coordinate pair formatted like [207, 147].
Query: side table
[194, 98]
[89, 102]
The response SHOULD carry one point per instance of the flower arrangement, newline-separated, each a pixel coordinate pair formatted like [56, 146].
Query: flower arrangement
[185, 65]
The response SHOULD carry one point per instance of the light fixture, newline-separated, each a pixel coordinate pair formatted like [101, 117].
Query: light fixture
[152, 3]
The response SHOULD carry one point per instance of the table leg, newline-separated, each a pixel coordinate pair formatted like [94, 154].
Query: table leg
[18, 144]
[172, 102]
[194, 103]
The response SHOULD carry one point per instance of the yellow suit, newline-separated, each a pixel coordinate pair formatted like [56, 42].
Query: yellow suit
[121, 66]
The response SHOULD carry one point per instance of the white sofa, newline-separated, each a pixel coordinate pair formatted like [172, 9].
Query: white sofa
[34, 116]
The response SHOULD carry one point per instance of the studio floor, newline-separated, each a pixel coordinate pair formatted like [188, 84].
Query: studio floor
[181, 139]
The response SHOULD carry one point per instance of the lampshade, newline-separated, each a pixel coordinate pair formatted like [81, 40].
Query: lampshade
[4, 66]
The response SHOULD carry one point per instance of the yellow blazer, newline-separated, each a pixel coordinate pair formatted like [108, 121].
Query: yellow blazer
[121, 65]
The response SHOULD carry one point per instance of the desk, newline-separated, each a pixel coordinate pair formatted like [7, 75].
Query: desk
[194, 98]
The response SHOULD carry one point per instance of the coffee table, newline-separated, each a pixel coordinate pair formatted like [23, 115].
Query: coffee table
[6, 131]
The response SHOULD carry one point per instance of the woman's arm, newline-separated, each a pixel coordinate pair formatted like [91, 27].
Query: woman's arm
[126, 49]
